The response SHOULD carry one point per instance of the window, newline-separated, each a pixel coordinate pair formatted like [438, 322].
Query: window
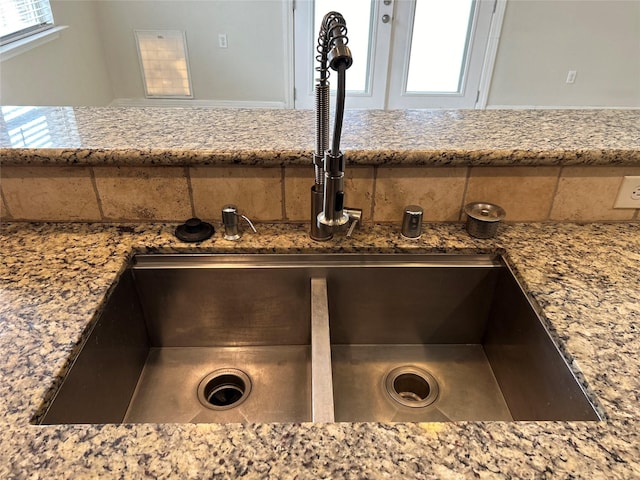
[359, 13]
[28, 127]
[164, 61]
[439, 52]
[22, 18]
[439, 42]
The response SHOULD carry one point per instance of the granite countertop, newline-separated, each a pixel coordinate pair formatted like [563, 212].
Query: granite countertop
[53, 278]
[205, 136]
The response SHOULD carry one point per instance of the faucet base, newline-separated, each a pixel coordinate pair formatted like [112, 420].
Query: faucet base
[340, 222]
[319, 231]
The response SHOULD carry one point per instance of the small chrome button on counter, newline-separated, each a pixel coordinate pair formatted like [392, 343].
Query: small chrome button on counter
[412, 222]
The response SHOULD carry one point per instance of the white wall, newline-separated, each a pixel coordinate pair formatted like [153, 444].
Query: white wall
[543, 39]
[69, 70]
[253, 68]
[95, 62]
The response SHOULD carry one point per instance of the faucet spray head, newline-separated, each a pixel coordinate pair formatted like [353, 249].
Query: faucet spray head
[339, 55]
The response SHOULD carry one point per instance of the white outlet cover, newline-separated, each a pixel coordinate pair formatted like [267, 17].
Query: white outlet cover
[628, 194]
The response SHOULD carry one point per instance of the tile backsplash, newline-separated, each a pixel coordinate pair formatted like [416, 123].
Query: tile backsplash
[174, 193]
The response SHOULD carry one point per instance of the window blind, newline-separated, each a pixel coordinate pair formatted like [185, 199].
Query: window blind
[21, 18]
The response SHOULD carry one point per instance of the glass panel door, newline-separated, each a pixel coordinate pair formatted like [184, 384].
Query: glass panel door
[438, 53]
[439, 42]
[436, 60]
[369, 41]
[358, 16]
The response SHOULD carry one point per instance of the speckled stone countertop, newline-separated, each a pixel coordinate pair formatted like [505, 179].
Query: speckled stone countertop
[54, 277]
[202, 136]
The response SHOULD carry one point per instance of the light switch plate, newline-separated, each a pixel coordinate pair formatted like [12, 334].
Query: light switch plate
[629, 193]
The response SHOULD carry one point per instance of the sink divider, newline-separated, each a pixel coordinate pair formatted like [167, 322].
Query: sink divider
[321, 376]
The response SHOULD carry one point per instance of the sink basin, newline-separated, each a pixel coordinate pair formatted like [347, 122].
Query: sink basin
[176, 329]
[213, 338]
[448, 340]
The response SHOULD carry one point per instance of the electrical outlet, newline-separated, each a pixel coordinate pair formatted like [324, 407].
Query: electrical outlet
[629, 193]
[222, 40]
[571, 76]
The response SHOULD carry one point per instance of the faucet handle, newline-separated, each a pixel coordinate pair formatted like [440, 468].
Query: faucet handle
[355, 219]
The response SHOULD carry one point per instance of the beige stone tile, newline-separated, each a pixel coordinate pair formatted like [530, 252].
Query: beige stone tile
[588, 194]
[438, 191]
[358, 187]
[143, 193]
[297, 186]
[526, 193]
[4, 213]
[50, 193]
[257, 191]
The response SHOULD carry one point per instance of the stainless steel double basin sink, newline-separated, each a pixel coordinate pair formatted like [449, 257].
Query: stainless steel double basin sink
[212, 338]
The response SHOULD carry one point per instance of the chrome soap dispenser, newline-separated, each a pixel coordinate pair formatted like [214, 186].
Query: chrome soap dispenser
[230, 220]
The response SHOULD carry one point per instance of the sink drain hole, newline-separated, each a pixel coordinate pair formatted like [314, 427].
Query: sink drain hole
[411, 387]
[224, 389]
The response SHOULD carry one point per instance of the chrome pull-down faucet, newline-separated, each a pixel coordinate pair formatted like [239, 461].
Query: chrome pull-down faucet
[328, 212]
